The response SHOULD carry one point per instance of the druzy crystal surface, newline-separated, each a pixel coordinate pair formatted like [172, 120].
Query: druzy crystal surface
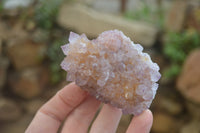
[113, 69]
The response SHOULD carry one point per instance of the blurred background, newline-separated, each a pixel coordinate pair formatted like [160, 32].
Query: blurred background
[32, 31]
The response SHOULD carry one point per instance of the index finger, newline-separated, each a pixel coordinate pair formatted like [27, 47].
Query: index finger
[50, 116]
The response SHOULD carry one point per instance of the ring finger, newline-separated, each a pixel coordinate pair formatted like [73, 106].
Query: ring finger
[107, 120]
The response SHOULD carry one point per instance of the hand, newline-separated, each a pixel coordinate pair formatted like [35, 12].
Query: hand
[77, 108]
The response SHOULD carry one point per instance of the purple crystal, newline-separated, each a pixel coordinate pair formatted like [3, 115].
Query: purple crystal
[113, 69]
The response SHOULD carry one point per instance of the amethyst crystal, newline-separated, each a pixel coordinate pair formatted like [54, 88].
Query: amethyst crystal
[113, 69]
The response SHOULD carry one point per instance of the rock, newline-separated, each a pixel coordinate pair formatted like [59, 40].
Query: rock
[40, 35]
[176, 16]
[162, 123]
[29, 83]
[11, 13]
[92, 23]
[157, 58]
[3, 30]
[9, 110]
[1, 45]
[133, 5]
[13, 4]
[168, 105]
[193, 109]
[188, 82]
[192, 127]
[11, 34]
[32, 106]
[25, 53]
[30, 25]
[171, 106]
[123, 76]
[111, 6]
[18, 126]
[17, 32]
[193, 21]
[165, 80]
[10, 31]
[3, 70]
[124, 123]
[53, 90]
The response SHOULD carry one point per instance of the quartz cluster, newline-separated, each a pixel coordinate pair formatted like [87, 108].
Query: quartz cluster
[113, 69]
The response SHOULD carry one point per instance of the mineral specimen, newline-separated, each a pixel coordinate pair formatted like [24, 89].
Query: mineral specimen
[113, 69]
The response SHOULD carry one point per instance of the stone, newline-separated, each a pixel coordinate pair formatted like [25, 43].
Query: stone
[32, 106]
[188, 82]
[191, 127]
[1, 46]
[113, 69]
[18, 126]
[193, 109]
[3, 30]
[14, 31]
[25, 53]
[92, 23]
[138, 5]
[124, 123]
[9, 110]
[168, 105]
[3, 70]
[13, 4]
[162, 123]
[166, 80]
[172, 106]
[176, 18]
[193, 21]
[53, 90]
[30, 25]
[29, 83]
[157, 58]
[17, 32]
[111, 6]
[160, 60]
[40, 35]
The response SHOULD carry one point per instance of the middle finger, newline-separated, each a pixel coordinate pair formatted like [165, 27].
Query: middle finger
[79, 120]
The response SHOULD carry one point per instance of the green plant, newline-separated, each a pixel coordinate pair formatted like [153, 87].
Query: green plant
[56, 56]
[177, 48]
[147, 14]
[1, 5]
[143, 13]
[46, 12]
